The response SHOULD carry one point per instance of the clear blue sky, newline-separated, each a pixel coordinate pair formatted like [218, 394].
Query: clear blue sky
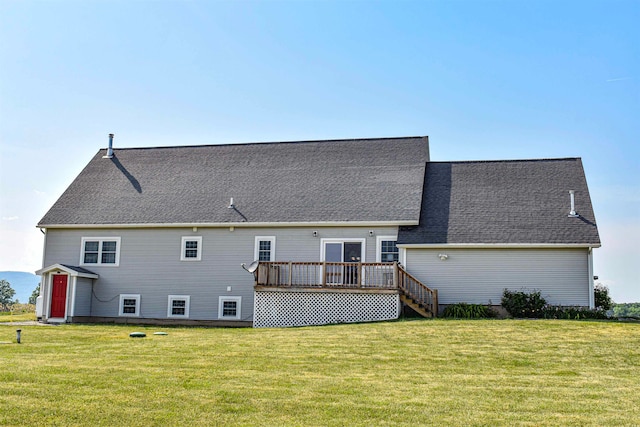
[484, 79]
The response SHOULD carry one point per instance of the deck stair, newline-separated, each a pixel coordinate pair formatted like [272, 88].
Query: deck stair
[416, 294]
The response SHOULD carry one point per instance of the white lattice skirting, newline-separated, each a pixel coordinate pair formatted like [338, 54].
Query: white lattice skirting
[275, 309]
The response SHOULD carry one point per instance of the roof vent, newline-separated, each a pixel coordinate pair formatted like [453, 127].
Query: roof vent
[231, 205]
[573, 213]
[110, 149]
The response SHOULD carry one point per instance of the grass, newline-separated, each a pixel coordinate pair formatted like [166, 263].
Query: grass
[424, 372]
[8, 317]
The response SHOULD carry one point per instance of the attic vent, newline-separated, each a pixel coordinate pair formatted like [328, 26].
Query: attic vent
[573, 213]
[110, 149]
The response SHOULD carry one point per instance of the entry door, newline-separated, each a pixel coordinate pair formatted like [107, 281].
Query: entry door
[59, 296]
[343, 252]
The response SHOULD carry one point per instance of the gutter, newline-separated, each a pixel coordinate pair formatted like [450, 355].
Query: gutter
[496, 245]
[239, 224]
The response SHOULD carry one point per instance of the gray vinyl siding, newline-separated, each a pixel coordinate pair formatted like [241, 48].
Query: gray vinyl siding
[479, 276]
[150, 264]
[83, 297]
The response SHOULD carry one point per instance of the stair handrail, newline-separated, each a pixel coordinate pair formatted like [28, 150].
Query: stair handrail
[418, 291]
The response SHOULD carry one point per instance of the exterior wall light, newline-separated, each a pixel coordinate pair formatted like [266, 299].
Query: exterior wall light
[370, 233]
[315, 234]
[443, 257]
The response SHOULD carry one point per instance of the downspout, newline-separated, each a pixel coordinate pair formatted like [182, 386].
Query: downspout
[592, 303]
[43, 278]
[93, 282]
[44, 245]
[72, 309]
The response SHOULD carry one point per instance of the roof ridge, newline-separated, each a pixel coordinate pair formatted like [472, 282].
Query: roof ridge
[544, 159]
[307, 141]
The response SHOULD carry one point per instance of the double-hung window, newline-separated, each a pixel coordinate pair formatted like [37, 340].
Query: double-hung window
[191, 248]
[387, 250]
[265, 248]
[100, 251]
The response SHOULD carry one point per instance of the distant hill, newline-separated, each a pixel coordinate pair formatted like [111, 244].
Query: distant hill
[22, 282]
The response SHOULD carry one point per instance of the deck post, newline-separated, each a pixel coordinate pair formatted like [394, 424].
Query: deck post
[395, 274]
[324, 274]
[359, 274]
[434, 302]
[290, 271]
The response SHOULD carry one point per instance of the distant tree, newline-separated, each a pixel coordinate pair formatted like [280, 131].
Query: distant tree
[601, 297]
[34, 295]
[631, 309]
[6, 295]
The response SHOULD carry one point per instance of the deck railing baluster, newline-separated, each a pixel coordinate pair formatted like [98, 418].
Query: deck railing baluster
[378, 275]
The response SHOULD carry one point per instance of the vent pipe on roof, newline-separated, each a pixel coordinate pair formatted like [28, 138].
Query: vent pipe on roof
[110, 149]
[573, 213]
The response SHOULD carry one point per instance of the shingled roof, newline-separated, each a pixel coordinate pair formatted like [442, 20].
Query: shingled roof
[504, 202]
[361, 180]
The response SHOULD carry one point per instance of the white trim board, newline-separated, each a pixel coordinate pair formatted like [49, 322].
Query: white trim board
[496, 245]
[238, 224]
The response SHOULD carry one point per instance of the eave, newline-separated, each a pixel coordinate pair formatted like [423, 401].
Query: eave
[239, 224]
[496, 245]
[69, 270]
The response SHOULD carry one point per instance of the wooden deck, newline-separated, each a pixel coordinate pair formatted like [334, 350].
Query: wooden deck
[347, 275]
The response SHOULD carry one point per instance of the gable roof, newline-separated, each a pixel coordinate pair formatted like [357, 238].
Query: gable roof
[351, 181]
[69, 269]
[504, 202]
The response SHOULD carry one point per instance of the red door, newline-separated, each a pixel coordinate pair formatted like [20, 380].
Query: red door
[59, 296]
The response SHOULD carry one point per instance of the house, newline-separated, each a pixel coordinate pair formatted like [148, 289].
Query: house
[340, 231]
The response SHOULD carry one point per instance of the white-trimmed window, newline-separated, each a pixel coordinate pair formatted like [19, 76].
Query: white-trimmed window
[191, 248]
[178, 306]
[229, 308]
[265, 248]
[129, 305]
[100, 251]
[386, 250]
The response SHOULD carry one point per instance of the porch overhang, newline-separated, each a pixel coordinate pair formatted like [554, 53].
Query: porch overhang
[72, 271]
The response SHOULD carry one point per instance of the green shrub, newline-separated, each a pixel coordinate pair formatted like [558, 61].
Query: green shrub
[574, 313]
[462, 310]
[601, 297]
[523, 303]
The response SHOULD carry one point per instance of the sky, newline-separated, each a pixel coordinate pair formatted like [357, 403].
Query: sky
[485, 80]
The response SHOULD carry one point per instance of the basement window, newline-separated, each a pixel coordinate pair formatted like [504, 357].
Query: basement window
[229, 308]
[178, 306]
[130, 305]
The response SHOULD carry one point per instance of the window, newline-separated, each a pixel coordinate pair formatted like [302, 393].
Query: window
[100, 251]
[229, 308]
[265, 248]
[387, 249]
[178, 306]
[191, 248]
[130, 305]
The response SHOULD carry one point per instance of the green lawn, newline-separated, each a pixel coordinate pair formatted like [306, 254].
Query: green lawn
[9, 317]
[423, 372]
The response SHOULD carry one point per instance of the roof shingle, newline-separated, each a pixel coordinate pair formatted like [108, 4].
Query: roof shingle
[368, 180]
[504, 202]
